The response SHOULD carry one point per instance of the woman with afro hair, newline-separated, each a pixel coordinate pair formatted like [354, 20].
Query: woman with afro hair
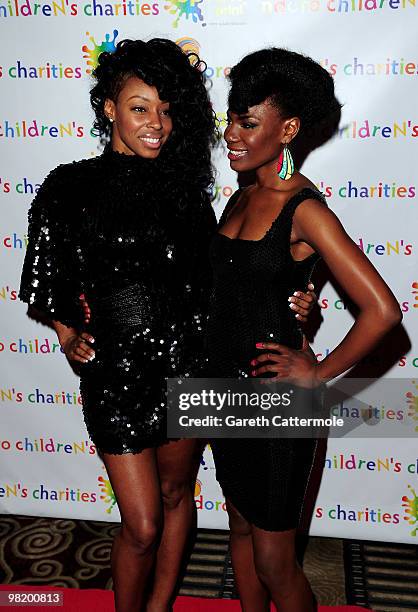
[271, 234]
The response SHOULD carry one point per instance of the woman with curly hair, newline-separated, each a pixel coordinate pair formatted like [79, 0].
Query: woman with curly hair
[270, 237]
[130, 229]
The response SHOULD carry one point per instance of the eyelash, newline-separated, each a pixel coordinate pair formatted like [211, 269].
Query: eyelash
[142, 108]
[246, 126]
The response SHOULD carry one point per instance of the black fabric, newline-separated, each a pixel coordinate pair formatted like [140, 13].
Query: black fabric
[108, 227]
[266, 480]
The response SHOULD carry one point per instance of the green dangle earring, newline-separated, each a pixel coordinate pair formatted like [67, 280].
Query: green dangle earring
[285, 165]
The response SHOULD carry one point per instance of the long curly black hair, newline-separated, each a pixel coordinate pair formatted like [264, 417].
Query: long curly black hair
[179, 80]
[295, 84]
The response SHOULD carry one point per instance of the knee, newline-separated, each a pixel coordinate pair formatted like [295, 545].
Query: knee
[174, 493]
[276, 569]
[143, 534]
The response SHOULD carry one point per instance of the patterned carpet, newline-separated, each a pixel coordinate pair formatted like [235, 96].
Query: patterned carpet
[70, 553]
[382, 576]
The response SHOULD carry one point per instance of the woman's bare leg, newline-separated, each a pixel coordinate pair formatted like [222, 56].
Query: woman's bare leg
[135, 482]
[277, 568]
[177, 469]
[253, 595]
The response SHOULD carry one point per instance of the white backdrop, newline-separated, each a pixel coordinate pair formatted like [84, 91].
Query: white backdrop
[48, 465]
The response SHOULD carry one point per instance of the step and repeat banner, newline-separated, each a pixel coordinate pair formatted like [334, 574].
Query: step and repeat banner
[367, 172]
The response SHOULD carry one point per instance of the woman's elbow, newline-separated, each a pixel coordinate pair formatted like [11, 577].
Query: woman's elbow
[391, 315]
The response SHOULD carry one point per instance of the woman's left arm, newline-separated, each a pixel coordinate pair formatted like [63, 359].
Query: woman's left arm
[379, 311]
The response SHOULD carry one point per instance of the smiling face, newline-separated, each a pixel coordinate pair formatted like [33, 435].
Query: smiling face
[256, 138]
[141, 121]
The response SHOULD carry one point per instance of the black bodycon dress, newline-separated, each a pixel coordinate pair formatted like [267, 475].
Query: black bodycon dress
[265, 479]
[112, 227]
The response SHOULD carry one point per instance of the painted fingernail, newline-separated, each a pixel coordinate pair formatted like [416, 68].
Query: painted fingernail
[253, 362]
[291, 299]
[292, 305]
[259, 345]
[91, 340]
[92, 357]
[297, 293]
[253, 373]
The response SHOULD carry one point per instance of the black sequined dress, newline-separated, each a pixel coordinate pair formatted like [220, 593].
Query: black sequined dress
[265, 479]
[108, 227]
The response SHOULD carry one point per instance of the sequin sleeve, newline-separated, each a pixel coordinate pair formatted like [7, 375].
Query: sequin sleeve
[50, 277]
[200, 271]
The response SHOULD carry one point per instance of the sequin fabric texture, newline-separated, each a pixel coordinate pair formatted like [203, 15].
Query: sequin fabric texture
[266, 479]
[108, 227]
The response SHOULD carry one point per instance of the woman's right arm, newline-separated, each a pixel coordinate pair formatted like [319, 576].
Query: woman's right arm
[50, 278]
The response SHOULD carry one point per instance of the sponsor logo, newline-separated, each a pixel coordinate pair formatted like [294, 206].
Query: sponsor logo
[369, 515]
[381, 190]
[412, 404]
[279, 7]
[43, 493]
[48, 70]
[410, 505]
[91, 55]
[22, 187]
[185, 9]
[106, 493]
[388, 67]
[48, 445]
[63, 8]
[191, 45]
[188, 45]
[375, 359]
[388, 247]
[37, 346]
[203, 503]
[8, 294]
[377, 465]
[367, 130]
[38, 397]
[33, 128]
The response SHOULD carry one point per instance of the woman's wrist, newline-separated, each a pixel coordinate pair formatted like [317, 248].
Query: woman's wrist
[320, 376]
[64, 333]
[65, 342]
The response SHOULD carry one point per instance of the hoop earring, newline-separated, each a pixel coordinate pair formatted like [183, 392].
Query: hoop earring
[285, 165]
